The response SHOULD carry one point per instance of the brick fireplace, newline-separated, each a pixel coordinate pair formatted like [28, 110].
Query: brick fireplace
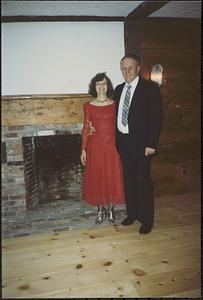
[40, 158]
[27, 170]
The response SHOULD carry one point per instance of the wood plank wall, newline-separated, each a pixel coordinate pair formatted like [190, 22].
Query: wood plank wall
[176, 45]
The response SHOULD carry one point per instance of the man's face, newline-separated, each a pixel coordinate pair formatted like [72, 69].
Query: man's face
[129, 69]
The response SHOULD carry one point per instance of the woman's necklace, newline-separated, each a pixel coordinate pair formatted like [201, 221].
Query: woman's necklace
[105, 100]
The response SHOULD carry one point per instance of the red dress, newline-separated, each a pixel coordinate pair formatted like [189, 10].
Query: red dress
[103, 179]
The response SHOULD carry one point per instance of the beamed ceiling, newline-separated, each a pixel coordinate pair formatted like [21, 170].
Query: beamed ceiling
[13, 11]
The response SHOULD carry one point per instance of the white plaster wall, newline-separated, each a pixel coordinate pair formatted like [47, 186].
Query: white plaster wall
[59, 57]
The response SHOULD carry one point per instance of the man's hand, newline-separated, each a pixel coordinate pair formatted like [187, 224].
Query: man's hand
[83, 157]
[149, 151]
[91, 128]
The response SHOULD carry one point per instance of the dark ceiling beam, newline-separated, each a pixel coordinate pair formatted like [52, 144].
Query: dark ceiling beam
[9, 19]
[145, 9]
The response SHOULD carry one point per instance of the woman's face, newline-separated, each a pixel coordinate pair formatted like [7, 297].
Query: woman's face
[101, 87]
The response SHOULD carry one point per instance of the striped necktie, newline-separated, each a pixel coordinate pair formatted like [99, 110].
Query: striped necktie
[126, 106]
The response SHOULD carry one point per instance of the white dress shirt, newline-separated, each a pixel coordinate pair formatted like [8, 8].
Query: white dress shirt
[121, 127]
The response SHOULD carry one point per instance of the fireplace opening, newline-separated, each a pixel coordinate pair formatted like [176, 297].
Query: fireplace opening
[53, 170]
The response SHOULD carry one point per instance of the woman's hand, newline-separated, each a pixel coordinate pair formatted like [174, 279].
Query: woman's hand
[83, 157]
[92, 130]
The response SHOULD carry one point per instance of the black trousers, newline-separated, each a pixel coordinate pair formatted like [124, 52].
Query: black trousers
[138, 184]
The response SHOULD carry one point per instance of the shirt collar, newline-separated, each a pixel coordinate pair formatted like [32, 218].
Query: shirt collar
[133, 83]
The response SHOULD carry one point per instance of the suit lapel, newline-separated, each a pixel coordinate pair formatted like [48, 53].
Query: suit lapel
[136, 92]
[120, 91]
[137, 95]
[118, 96]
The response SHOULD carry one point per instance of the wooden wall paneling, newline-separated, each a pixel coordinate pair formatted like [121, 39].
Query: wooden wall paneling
[175, 44]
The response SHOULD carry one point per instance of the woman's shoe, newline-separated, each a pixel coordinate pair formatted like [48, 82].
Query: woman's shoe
[111, 216]
[104, 212]
[99, 218]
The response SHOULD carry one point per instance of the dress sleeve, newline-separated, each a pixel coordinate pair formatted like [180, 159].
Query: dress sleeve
[85, 130]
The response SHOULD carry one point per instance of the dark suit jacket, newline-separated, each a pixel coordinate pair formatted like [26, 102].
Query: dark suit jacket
[145, 116]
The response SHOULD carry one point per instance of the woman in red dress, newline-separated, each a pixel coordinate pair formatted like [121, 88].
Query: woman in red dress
[103, 179]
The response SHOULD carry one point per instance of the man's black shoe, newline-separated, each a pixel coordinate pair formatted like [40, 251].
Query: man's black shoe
[128, 221]
[144, 229]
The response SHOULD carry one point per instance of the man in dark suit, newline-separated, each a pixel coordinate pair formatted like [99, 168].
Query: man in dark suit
[139, 122]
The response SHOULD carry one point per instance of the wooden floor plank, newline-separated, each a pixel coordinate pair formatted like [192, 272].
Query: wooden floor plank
[110, 261]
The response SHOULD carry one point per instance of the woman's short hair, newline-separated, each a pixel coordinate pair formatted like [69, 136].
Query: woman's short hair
[99, 77]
